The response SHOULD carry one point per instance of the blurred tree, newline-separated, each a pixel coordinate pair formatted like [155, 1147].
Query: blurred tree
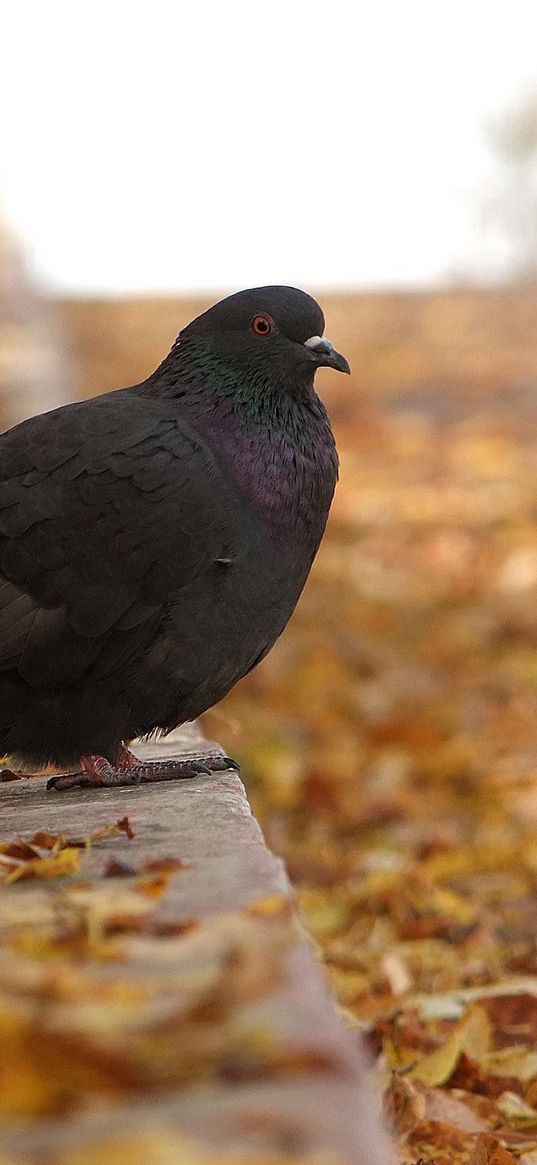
[32, 372]
[511, 209]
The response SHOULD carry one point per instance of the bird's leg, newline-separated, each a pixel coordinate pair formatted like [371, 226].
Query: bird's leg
[138, 771]
[125, 759]
[98, 772]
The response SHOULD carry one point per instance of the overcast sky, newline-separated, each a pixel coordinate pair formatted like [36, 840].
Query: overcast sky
[164, 146]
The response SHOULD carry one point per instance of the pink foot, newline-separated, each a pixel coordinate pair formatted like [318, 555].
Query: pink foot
[100, 773]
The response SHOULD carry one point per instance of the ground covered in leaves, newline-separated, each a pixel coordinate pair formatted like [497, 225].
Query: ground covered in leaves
[391, 743]
[104, 998]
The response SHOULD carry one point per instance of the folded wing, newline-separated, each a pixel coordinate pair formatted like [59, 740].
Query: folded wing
[107, 509]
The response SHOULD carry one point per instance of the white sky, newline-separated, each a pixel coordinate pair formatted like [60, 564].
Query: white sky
[169, 145]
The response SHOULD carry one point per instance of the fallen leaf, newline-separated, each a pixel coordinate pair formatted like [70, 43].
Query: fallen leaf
[489, 1151]
[432, 1139]
[441, 1105]
[517, 1062]
[64, 863]
[154, 887]
[163, 865]
[115, 868]
[404, 1105]
[521, 1115]
[472, 1035]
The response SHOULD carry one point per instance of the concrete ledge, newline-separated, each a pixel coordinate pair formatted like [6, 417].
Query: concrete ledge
[146, 996]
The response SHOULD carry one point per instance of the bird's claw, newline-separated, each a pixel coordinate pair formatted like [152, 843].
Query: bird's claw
[100, 773]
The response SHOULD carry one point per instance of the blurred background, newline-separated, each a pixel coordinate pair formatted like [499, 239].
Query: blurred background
[383, 157]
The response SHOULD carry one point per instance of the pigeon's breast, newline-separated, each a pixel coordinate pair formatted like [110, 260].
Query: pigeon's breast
[219, 627]
[279, 491]
[283, 468]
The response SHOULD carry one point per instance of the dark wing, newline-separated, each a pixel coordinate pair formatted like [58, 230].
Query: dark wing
[107, 507]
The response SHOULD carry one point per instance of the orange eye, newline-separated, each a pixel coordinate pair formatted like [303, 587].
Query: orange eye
[262, 325]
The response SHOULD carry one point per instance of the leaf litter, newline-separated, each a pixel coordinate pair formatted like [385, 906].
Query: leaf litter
[47, 855]
[394, 767]
[393, 763]
[103, 997]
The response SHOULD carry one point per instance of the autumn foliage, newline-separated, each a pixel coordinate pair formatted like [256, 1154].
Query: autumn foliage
[391, 746]
[390, 739]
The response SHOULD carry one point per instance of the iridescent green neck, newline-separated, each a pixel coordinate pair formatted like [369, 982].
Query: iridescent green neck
[201, 378]
[273, 439]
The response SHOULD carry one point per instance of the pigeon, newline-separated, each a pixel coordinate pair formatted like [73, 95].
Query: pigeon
[154, 540]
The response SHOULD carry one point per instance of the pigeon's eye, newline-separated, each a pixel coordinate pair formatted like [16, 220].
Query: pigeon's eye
[262, 325]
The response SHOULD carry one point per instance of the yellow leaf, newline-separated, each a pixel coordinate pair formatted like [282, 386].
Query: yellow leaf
[67, 861]
[518, 1062]
[472, 1036]
[439, 1065]
[272, 904]
[476, 1033]
[348, 985]
[520, 1114]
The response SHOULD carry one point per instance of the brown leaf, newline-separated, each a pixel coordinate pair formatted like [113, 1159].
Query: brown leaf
[67, 861]
[45, 840]
[514, 1017]
[115, 868]
[489, 1151]
[125, 826]
[154, 887]
[431, 1139]
[404, 1105]
[163, 865]
[21, 850]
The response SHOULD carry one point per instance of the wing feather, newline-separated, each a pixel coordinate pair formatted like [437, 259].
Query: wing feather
[107, 509]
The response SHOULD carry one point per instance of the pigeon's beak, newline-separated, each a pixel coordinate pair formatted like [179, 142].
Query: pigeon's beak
[326, 355]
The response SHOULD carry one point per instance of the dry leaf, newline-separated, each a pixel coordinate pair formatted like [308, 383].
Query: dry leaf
[489, 1151]
[404, 1105]
[517, 1062]
[66, 862]
[472, 1036]
[518, 1113]
[441, 1105]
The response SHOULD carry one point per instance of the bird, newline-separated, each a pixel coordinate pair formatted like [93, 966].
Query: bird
[155, 540]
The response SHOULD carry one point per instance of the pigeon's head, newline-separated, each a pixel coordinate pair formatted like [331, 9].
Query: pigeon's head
[272, 334]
